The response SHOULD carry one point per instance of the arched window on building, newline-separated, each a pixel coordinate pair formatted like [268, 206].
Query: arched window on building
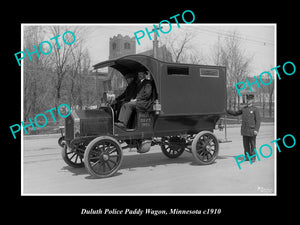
[114, 46]
[126, 45]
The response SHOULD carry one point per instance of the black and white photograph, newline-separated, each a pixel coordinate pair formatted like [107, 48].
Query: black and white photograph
[143, 109]
[149, 111]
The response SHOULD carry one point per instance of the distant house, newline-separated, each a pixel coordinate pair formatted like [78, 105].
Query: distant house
[100, 80]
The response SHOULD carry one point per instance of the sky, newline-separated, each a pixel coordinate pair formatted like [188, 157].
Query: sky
[258, 41]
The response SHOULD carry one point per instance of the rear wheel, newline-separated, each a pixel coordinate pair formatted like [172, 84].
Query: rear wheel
[72, 156]
[205, 147]
[103, 157]
[173, 146]
[60, 141]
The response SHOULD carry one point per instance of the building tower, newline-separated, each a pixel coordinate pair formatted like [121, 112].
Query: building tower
[119, 46]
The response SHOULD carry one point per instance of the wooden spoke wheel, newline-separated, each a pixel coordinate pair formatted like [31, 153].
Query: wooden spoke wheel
[173, 146]
[73, 157]
[205, 147]
[103, 157]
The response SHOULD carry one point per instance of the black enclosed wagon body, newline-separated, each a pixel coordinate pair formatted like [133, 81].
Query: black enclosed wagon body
[191, 99]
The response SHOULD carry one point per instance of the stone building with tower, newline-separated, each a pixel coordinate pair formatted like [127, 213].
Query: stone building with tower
[119, 46]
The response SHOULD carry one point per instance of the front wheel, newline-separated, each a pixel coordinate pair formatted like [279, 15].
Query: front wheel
[103, 157]
[205, 147]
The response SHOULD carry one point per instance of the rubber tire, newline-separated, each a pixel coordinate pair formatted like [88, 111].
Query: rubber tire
[66, 158]
[90, 147]
[171, 156]
[194, 150]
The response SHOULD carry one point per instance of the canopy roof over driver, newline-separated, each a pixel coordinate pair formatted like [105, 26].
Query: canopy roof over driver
[132, 64]
[182, 89]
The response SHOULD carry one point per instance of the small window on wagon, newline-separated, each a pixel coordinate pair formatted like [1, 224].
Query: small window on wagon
[176, 70]
[204, 72]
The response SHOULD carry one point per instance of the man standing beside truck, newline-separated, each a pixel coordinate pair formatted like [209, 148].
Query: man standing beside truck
[250, 126]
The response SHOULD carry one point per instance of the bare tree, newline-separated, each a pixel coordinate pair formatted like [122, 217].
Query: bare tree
[229, 53]
[33, 71]
[271, 103]
[60, 63]
[77, 76]
[181, 48]
[65, 58]
[45, 80]
[266, 92]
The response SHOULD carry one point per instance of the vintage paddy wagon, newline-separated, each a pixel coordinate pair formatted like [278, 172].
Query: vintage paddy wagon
[188, 100]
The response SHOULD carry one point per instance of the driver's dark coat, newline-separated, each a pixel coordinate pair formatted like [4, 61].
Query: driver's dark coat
[144, 95]
[129, 93]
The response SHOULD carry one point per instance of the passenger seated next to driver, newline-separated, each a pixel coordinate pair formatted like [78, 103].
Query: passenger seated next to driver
[143, 100]
[127, 95]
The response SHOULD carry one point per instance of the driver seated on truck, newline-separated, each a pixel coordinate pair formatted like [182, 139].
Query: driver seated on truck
[143, 100]
[127, 95]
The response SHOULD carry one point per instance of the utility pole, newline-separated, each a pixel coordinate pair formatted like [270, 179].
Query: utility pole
[155, 44]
